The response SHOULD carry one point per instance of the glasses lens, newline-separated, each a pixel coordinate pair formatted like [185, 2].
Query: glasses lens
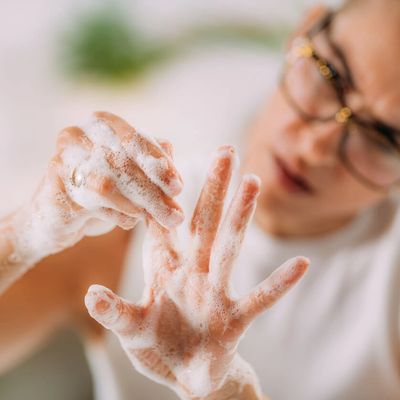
[371, 156]
[310, 92]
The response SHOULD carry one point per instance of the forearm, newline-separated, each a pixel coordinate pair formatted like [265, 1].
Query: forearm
[6, 251]
[20, 246]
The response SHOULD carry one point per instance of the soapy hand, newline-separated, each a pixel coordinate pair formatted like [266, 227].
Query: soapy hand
[102, 175]
[185, 331]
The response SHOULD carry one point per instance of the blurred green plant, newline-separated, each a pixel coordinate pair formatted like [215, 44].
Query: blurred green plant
[104, 44]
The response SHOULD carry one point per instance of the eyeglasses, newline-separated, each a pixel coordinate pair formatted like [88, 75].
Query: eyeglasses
[369, 149]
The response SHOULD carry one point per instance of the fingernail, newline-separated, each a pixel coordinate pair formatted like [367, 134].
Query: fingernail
[175, 218]
[226, 149]
[175, 185]
[302, 261]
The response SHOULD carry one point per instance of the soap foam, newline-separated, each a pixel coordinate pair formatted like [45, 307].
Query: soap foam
[199, 363]
[154, 167]
[135, 188]
[50, 224]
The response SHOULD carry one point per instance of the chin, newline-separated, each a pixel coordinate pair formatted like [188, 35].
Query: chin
[281, 204]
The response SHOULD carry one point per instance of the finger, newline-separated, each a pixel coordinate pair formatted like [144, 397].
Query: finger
[161, 257]
[167, 147]
[157, 165]
[232, 231]
[73, 136]
[135, 185]
[208, 211]
[146, 153]
[272, 289]
[111, 196]
[161, 246]
[73, 148]
[62, 200]
[111, 311]
[117, 218]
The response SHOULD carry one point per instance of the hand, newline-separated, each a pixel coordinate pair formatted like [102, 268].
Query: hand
[102, 175]
[186, 329]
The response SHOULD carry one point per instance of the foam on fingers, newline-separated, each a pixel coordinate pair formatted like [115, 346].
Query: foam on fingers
[210, 203]
[284, 277]
[103, 305]
[146, 152]
[138, 187]
[120, 219]
[133, 179]
[209, 207]
[167, 147]
[273, 288]
[158, 168]
[232, 231]
[73, 135]
[187, 327]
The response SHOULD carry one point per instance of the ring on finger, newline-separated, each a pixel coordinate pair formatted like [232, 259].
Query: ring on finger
[77, 178]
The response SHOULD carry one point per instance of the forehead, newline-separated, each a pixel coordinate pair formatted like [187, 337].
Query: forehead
[368, 36]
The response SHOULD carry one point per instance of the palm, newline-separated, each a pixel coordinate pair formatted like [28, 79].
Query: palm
[187, 319]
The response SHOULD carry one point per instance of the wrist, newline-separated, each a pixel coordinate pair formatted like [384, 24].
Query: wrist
[7, 242]
[240, 383]
[16, 256]
[28, 234]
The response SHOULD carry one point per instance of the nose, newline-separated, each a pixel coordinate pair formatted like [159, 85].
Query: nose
[318, 143]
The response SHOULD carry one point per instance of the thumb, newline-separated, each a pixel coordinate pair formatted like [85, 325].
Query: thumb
[110, 310]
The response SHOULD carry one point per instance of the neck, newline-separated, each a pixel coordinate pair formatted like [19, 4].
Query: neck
[291, 228]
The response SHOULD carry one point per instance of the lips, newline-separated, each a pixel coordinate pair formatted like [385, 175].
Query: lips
[291, 181]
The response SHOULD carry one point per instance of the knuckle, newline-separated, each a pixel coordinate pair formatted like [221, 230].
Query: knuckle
[73, 135]
[55, 161]
[105, 186]
[65, 136]
[102, 114]
[55, 167]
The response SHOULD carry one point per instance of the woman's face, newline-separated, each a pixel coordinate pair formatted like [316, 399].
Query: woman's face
[305, 187]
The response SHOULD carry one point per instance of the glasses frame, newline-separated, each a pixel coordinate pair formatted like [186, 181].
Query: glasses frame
[345, 115]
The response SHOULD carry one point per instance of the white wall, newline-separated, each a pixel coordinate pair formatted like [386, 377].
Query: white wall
[185, 100]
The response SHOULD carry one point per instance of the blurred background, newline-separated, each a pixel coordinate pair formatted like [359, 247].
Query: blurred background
[190, 71]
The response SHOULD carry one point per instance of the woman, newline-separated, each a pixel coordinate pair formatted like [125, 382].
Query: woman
[326, 150]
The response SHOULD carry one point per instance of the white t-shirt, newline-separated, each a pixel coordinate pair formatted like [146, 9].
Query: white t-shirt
[335, 335]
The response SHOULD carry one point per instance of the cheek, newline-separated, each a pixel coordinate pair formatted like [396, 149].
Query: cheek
[347, 195]
[274, 124]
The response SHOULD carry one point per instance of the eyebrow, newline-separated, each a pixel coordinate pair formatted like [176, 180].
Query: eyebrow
[340, 55]
[338, 52]
[378, 124]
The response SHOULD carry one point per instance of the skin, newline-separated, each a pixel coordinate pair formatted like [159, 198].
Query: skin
[53, 291]
[50, 296]
[72, 221]
[180, 285]
[309, 148]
